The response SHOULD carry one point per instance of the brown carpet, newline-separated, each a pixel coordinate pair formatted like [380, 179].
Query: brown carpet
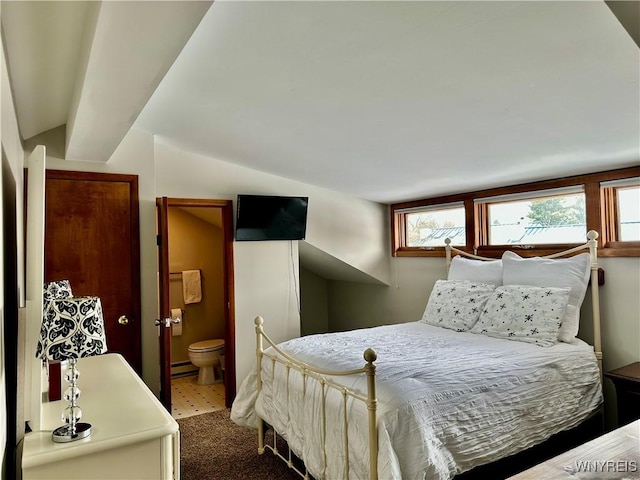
[212, 447]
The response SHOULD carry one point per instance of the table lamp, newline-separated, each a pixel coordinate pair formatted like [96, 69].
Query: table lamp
[72, 328]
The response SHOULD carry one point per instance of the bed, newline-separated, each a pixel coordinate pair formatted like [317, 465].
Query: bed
[492, 368]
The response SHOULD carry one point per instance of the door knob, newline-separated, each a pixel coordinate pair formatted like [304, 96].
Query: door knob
[166, 322]
[123, 320]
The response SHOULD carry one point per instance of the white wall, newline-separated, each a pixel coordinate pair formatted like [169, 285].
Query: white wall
[10, 135]
[620, 319]
[12, 149]
[314, 304]
[265, 285]
[266, 276]
[348, 228]
[620, 311]
[353, 305]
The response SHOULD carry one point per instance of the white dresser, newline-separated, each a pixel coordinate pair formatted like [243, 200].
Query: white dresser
[133, 436]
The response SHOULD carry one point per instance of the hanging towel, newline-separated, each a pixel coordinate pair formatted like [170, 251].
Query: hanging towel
[191, 286]
[176, 328]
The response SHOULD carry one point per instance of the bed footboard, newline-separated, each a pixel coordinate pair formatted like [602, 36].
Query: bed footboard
[319, 375]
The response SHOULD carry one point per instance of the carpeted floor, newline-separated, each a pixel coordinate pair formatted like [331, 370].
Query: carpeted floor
[212, 447]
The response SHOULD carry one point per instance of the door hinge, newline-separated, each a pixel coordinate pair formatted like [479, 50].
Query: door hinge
[158, 240]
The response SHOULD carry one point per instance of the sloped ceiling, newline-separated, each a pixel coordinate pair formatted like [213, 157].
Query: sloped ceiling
[91, 66]
[388, 101]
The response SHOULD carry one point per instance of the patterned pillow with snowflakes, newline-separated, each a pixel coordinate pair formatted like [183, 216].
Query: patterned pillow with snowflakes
[456, 304]
[524, 313]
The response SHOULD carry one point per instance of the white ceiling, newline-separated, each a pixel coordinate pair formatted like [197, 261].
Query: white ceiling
[388, 101]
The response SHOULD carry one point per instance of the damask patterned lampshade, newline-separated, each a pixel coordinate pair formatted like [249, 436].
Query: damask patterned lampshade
[52, 291]
[56, 289]
[72, 327]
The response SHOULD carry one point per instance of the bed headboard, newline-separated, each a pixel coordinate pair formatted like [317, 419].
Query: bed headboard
[592, 246]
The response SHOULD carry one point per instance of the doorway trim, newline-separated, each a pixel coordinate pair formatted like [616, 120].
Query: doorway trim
[226, 207]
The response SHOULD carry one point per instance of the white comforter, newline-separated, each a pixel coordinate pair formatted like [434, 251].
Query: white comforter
[447, 401]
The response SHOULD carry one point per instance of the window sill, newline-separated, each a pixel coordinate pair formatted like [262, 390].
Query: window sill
[613, 249]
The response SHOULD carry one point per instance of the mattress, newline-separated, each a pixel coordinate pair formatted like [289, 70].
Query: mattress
[447, 401]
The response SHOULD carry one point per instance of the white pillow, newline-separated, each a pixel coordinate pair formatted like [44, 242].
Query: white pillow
[456, 304]
[570, 272]
[481, 271]
[524, 313]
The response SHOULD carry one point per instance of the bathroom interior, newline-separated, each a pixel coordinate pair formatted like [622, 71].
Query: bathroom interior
[196, 292]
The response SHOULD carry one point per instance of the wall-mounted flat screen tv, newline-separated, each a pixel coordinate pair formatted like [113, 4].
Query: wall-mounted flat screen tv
[264, 217]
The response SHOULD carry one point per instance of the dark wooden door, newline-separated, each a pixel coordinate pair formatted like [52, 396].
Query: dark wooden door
[92, 238]
[164, 336]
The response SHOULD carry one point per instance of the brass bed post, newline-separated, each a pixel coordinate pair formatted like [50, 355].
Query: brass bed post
[370, 356]
[592, 242]
[258, 322]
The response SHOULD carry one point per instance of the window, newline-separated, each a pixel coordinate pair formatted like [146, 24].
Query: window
[534, 216]
[629, 208]
[428, 227]
[621, 208]
[538, 218]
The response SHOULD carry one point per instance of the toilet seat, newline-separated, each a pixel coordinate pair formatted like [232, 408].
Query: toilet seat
[206, 345]
[206, 356]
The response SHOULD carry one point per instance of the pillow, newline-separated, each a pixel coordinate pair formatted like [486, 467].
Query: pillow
[570, 272]
[476, 270]
[456, 304]
[524, 313]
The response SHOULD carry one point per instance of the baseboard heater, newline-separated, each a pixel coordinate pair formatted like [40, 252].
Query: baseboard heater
[182, 369]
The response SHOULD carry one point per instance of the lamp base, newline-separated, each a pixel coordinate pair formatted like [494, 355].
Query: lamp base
[65, 433]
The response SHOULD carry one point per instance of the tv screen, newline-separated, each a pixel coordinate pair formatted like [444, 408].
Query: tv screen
[263, 217]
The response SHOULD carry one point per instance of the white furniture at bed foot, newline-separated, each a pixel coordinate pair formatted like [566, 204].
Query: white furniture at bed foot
[615, 455]
[133, 436]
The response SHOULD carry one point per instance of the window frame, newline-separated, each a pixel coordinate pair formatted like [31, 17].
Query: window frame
[610, 214]
[426, 209]
[485, 203]
[600, 209]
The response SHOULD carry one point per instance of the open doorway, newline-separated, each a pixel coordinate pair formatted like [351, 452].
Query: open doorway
[196, 298]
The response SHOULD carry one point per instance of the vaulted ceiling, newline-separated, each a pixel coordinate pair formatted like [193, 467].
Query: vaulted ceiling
[388, 101]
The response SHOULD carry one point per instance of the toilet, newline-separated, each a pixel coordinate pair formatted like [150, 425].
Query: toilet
[206, 356]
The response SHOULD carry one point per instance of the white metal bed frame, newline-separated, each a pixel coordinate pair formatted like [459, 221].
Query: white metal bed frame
[320, 375]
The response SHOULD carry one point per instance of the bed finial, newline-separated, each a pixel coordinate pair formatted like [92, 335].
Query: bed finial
[259, 321]
[370, 355]
[447, 252]
[592, 235]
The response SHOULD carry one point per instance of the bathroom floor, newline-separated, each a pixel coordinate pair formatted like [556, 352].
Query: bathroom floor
[189, 398]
